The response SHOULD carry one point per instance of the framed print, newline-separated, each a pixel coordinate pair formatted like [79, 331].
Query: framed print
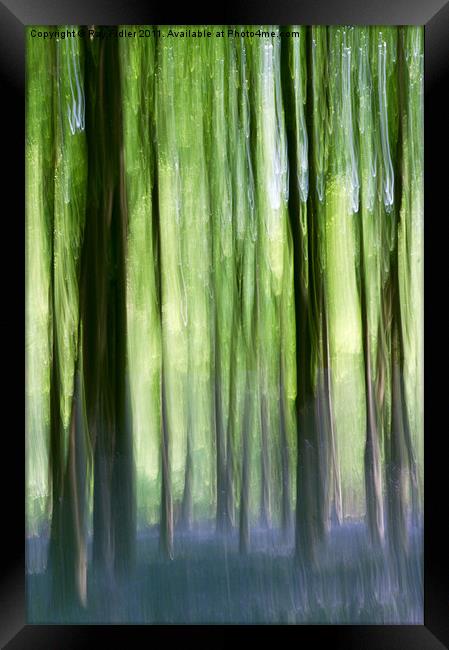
[224, 245]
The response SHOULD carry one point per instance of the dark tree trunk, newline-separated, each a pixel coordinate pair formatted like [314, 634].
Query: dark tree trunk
[401, 463]
[68, 545]
[309, 508]
[104, 318]
[123, 479]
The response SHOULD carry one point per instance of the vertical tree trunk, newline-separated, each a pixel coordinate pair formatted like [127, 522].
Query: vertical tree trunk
[397, 466]
[104, 319]
[244, 528]
[166, 525]
[219, 435]
[68, 460]
[286, 512]
[123, 487]
[336, 499]
[230, 463]
[326, 446]
[400, 457]
[187, 498]
[373, 476]
[55, 557]
[310, 525]
[68, 535]
[96, 304]
[167, 130]
[265, 501]
[305, 516]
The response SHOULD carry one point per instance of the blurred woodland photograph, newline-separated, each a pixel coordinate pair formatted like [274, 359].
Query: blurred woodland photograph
[224, 324]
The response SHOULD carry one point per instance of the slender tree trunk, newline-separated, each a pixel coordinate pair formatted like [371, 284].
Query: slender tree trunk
[79, 485]
[326, 445]
[166, 526]
[373, 470]
[265, 501]
[311, 491]
[166, 514]
[401, 466]
[398, 458]
[219, 436]
[230, 504]
[373, 479]
[337, 505]
[244, 529]
[68, 460]
[55, 556]
[286, 512]
[301, 220]
[187, 498]
[75, 501]
[94, 304]
[68, 546]
[123, 489]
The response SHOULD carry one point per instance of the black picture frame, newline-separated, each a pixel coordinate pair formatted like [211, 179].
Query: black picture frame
[14, 15]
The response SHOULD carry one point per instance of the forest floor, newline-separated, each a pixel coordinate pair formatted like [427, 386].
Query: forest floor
[210, 582]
